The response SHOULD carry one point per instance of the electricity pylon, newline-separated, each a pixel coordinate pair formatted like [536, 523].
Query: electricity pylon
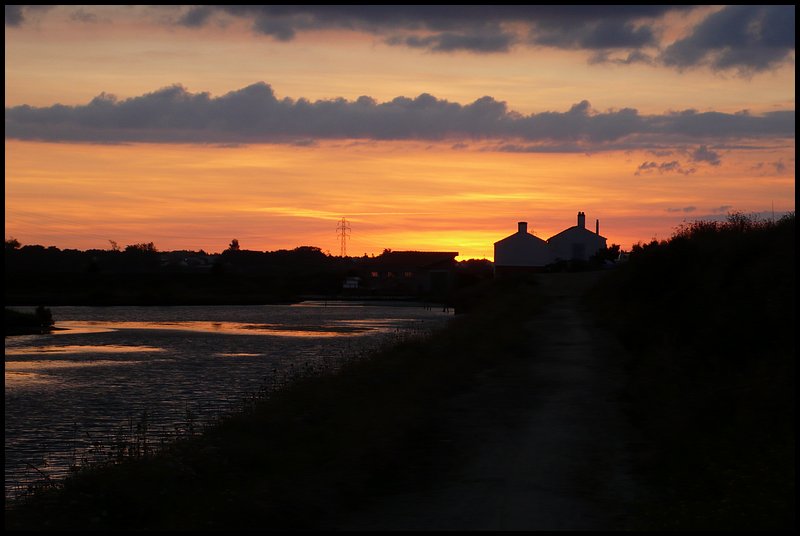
[343, 232]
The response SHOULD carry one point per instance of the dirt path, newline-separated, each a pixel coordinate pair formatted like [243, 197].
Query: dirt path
[545, 443]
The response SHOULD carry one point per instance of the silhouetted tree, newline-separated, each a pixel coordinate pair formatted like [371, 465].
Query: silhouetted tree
[609, 253]
[12, 243]
[234, 246]
[141, 248]
[44, 316]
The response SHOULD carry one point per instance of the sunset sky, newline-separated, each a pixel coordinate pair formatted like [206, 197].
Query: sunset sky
[426, 127]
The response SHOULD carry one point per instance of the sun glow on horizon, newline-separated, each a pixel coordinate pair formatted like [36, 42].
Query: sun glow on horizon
[396, 195]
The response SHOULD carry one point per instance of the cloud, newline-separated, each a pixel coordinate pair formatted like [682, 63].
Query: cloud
[721, 209]
[254, 114]
[665, 167]
[636, 56]
[486, 42]
[681, 209]
[81, 15]
[473, 28]
[17, 15]
[779, 166]
[14, 15]
[196, 16]
[703, 154]
[592, 35]
[747, 38]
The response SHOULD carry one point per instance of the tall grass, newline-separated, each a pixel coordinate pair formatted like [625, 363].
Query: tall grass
[709, 318]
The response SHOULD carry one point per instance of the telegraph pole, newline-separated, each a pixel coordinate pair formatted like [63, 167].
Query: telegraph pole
[343, 232]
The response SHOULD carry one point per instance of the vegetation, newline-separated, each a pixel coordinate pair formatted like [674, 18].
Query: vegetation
[21, 323]
[320, 448]
[139, 274]
[709, 320]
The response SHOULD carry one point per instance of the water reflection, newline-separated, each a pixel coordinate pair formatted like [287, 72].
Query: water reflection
[106, 366]
[79, 349]
[44, 365]
[335, 329]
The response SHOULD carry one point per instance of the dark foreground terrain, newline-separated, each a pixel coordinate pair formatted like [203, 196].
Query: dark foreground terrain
[656, 395]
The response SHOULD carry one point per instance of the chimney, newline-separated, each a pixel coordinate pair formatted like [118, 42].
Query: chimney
[522, 227]
[581, 220]
[597, 227]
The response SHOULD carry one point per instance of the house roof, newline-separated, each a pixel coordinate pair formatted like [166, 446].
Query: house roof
[520, 236]
[573, 230]
[412, 259]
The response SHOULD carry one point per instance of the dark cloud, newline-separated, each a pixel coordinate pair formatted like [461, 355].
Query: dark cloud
[664, 167]
[196, 16]
[779, 166]
[448, 28]
[748, 38]
[601, 34]
[254, 114]
[703, 154]
[725, 125]
[744, 38]
[495, 41]
[14, 16]
[17, 15]
[81, 15]
[682, 209]
[636, 56]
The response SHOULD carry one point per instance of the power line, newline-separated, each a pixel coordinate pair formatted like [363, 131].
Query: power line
[343, 232]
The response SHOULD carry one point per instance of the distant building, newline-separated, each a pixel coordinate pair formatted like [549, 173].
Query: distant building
[577, 243]
[521, 252]
[351, 282]
[411, 272]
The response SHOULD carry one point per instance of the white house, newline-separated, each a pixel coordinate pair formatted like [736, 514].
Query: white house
[524, 252]
[577, 242]
[521, 251]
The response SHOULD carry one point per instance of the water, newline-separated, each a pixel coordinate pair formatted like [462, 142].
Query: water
[70, 393]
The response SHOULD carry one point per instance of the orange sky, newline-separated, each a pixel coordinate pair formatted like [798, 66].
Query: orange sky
[418, 189]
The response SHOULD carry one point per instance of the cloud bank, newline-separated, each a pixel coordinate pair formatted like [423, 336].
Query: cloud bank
[255, 115]
[748, 38]
[744, 38]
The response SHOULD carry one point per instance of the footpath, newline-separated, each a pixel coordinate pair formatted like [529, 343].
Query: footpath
[545, 444]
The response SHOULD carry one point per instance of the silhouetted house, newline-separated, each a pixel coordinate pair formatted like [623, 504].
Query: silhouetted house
[521, 252]
[429, 273]
[577, 242]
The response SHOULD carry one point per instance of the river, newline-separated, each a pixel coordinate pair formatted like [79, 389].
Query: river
[107, 372]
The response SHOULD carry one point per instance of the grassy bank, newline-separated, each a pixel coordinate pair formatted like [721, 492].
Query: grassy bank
[311, 453]
[709, 320]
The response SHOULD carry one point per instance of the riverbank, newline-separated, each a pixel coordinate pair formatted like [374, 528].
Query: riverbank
[311, 453]
[35, 322]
